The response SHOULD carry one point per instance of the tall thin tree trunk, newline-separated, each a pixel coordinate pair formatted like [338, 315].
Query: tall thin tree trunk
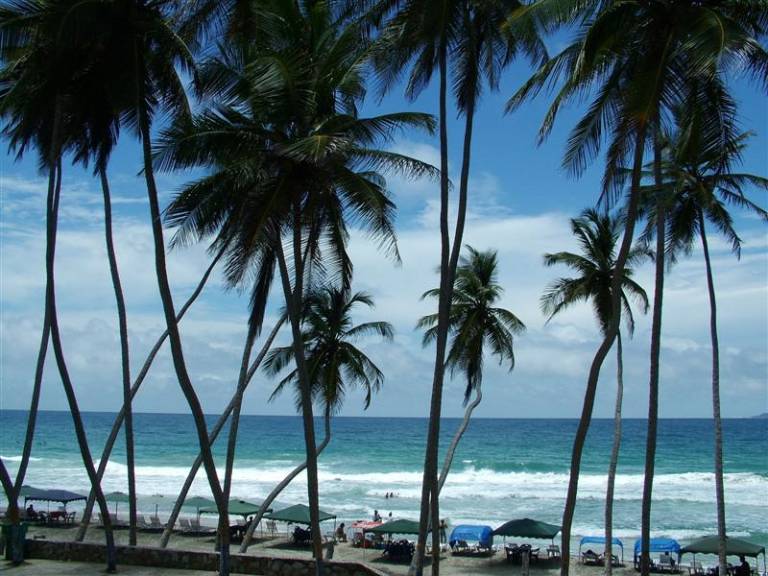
[124, 354]
[10, 494]
[719, 485]
[212, 437]
[177, 353]
[294, 305]
[429, 479]
[276, 491]
[602, 352]
[653, 384]
[82, 440]
[614, 456]
[457, 437]
[117, 424]
[234, 423]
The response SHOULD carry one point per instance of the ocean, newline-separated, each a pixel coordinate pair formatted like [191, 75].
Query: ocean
[504, 468]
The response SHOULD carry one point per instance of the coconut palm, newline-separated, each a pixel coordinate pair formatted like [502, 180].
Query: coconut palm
[291, 164]
[474, 323]
[636, 77]
[597, 235]
[43, 64]
[468, 43]
[336, 365]
[698, 175]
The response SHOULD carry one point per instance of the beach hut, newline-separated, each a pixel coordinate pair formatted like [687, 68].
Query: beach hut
[593, 558]
[733, 547]
[662, 545]
[483, 535]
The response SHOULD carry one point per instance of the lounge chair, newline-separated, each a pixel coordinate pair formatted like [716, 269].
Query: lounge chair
[591, 558]
[553, 551]
[696, 569]
[186, 527]
[155, 523]
[272, 527]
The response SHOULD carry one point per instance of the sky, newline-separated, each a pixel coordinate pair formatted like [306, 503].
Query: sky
[520, 203]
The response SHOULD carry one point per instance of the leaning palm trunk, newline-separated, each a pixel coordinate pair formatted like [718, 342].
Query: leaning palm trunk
[177, 353]
[614, 457]
[719, 488]
[608, 338]
[117, 424]
[10, 494]
[284, 484]
[457, 437]
[126, 365]
[54, 191]
[293, 300]
[653, 385]
[212, 438]
[449, 258]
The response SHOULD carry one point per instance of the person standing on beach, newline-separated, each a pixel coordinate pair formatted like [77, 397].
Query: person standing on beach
[443, 527]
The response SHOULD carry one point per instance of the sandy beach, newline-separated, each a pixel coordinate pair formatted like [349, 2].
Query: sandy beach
[279, 546]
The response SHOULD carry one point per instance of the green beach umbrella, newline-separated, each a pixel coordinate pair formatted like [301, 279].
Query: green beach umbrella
[298, 514]
[236, 508]
[117, 497]
[396, 527]
[733, 547]
[198, 502]
[527, 528]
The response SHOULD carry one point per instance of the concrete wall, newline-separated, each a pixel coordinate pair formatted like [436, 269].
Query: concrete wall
[191, 560]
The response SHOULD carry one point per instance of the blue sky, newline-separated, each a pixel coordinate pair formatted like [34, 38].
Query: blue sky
[520, 204]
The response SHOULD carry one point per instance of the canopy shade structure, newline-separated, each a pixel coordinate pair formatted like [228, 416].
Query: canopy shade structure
[472, 533]
[396, 527]
[199, 502]
[527, 528]
[600, 540]
[659, 545]
[733, 547]
[297, 514]
[55, 495]
[236, 508]
[117, 497]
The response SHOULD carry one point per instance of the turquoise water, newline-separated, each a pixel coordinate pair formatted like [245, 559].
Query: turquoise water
[504, 468]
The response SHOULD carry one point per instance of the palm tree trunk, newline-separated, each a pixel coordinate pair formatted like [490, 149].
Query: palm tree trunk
[232, 441]
[719, 486]
[294, 301]
[602, 351]
[82, 440]
[117, 424]
[284, 484]
[212, 437]
[614, 456]
[457, 437]
[653, 397]
[429, 480]
[177, 353]
[37, 385]
[10, 494]
[124, 354]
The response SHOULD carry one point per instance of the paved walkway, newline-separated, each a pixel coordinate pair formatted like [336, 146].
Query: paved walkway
[53, 568]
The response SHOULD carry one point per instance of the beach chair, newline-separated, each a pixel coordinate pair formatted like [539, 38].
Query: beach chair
[696, 569]
[155, 523]
[666, 563]
[186, 527]
[590, 558]
[271, 527]
[553, 551]
[70, 518]
[198, 528]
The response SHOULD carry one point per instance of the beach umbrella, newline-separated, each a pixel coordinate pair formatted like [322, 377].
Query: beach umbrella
[396, 527]
[236, 508]
[298, 514]
[117, 497]
[198, 502]
[527, 528]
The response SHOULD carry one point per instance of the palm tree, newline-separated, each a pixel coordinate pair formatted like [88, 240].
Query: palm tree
[43, 67]
[697, 172]
[474, 323]
[335, 364]
[597, 235]
[291, 163]
[637, 77]
[117, 424]
[469, 42]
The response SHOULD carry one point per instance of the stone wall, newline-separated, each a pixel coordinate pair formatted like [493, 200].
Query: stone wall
[190, 560]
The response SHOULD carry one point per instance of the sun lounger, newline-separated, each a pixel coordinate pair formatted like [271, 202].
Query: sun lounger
[553, 551]
[590, 558]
